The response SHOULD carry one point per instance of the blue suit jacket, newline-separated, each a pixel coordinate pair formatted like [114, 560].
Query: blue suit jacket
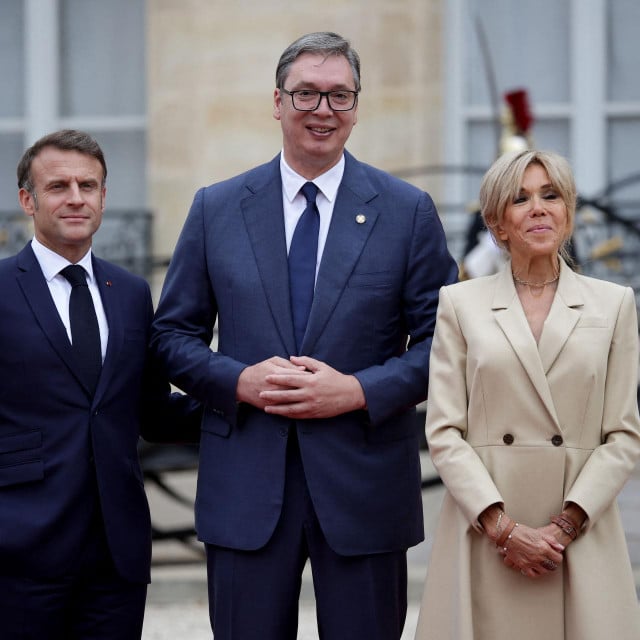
[58, 445]
[377, 285]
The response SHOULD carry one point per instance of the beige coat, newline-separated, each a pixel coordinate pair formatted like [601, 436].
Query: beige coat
[532, 426]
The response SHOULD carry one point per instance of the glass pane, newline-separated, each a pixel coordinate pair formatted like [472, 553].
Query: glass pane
[610, 230]
[11, 150]
[102, 58]
[11, 59]
[125, 154]
[480, 153]
[552, 135]
[529, 48]
[623, 50]
[624, 167]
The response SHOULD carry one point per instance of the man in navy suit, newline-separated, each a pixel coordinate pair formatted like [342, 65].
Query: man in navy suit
[309, 445]
[75, 534]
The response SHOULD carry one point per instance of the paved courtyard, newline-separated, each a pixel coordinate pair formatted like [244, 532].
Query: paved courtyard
[177, 603]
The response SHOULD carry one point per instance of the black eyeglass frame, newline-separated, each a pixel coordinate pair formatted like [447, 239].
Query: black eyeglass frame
[322, 94]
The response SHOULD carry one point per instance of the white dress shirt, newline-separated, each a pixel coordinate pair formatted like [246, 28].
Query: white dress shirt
[51, 264]
[294, 202]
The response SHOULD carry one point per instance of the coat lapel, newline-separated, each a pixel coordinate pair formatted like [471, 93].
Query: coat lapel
[264, 219]
[353, 219]
[511, 318]
[562, 319]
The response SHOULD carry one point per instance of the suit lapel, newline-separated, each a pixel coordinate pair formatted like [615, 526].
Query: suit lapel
[264, 220]
[114, 313]
[353, 219]
[38, 296]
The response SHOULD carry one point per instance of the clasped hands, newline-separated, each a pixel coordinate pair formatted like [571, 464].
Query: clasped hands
[299, 388]
[534, 552]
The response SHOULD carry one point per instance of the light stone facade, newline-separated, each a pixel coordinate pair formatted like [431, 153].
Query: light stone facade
[211, 76]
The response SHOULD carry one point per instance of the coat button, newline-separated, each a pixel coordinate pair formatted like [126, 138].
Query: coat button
[556, 441]
[507, 438]
[283, 432]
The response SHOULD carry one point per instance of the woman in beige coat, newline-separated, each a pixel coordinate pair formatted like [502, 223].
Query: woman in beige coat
[532, 423]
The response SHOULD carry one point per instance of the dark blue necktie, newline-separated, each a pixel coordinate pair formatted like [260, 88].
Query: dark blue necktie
[303, 254]
[85, 334]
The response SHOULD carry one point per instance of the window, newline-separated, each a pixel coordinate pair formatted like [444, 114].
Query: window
[576, 59]
[77, 64]
[12, 102]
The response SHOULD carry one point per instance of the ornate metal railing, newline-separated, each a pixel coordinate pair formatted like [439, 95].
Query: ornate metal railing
[124, 237]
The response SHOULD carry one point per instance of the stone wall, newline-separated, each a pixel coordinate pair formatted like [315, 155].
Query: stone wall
[211, 67]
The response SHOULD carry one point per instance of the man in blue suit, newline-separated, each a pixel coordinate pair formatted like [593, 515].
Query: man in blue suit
[309, 446]
[75, 534]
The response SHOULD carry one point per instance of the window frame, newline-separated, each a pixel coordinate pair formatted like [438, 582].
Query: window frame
[589, 113]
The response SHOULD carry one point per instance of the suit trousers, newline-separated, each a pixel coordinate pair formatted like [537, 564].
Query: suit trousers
[253, 595]
[90, 602]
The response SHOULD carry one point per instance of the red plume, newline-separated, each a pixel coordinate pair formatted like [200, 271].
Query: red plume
[519, 103]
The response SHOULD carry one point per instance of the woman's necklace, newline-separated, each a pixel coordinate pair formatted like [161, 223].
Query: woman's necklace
[537, 287]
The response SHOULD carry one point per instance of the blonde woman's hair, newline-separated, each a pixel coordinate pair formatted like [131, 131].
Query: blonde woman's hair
[502, 183]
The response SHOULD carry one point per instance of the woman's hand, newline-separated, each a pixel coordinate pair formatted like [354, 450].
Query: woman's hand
[566, 527]
[533, 552]
[492, 520]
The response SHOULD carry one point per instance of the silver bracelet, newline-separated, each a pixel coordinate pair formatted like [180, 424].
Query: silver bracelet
[509, 537]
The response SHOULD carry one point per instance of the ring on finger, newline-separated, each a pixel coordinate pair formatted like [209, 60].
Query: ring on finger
[549, 565]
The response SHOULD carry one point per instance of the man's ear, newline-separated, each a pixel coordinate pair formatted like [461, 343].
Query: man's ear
[277, 103]
[27, 201]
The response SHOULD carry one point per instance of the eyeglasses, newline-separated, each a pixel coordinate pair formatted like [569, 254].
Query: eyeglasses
[309, 100]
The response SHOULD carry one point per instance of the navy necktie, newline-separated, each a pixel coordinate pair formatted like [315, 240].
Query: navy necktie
[85, 334]
[303, 254]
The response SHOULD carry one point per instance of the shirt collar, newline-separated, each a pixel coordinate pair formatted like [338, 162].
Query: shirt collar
[328, 182]
[52, 263]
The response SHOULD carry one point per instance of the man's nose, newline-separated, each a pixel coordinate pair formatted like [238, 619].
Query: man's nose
[324, 105]
[74, 194]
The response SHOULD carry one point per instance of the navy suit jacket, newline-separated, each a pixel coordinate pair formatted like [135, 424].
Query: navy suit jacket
[373, 316]
[59, 446]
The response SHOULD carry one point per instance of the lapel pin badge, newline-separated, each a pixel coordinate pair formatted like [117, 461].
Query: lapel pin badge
[361, 218]
[108, 283]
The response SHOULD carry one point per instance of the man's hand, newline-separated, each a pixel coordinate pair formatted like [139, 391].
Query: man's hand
[253, 380]
[311, 389]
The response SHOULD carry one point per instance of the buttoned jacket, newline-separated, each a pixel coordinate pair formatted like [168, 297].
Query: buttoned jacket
[373, 316]
[65, 452]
